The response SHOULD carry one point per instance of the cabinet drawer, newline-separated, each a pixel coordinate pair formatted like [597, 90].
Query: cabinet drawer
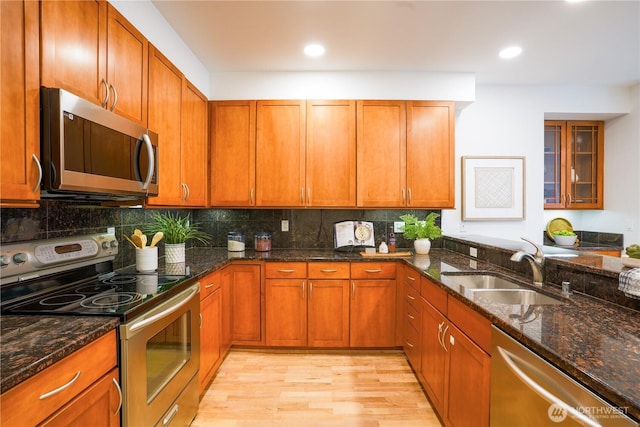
[373, 270]
[412, 278]
[35, 399]
[412, 315]
[434, 294]
[328, 270]
[208, 284]
[412, 298]
[411, 345]
[286, 270]
[472, 323]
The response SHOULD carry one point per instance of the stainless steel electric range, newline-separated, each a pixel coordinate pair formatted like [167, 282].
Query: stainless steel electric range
[159, 332]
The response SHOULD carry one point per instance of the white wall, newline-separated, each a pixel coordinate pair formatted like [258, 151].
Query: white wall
[508, 121]
[150, 22]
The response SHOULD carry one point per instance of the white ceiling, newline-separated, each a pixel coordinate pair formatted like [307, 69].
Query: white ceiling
[588, 43]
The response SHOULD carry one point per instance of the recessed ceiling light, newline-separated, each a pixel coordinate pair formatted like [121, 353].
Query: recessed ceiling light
[314, 50]
[510, 52]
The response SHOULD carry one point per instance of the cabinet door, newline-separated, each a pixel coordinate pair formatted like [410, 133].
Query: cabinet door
[468, 382]
[233, 153]
[74, 40]
[286, 312]
[432, 355]
[430, 154]
[246, 304]
[98, 406]
[127, 67]
[210, 332]
[373, 313]
[584, 175]
[331, 153]
[165, 112]
[555, 163]
[280, 153]
[19, 104]
[328, 313]
[193, 147]
[381, 153]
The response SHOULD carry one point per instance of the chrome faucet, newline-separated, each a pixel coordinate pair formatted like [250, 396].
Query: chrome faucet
[536, 261]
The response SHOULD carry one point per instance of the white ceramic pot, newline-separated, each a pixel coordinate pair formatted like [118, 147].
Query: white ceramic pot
[422, 246]
[173, 253]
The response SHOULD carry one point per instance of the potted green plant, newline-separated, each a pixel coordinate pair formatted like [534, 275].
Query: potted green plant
[176, 231]
[422, 232]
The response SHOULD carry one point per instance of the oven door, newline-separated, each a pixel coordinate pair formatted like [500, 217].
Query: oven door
[160, 362]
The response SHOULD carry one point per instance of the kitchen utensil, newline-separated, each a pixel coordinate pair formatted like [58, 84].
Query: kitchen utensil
[558, 224]
[131, 241]
[156, 238]
[143, 238]
[137, 232]
[137, 240]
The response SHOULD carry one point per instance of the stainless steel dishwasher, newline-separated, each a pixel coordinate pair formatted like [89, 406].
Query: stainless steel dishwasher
[527, 391]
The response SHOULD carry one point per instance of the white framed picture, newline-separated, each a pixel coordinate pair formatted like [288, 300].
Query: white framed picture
[492, 188]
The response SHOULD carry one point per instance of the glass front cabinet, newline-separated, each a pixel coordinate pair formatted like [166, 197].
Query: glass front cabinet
[573, 164]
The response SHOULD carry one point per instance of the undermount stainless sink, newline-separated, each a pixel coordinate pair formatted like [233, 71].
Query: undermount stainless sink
[516, 296]
[462, 282]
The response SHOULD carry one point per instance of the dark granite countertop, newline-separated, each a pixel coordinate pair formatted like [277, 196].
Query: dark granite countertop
[30, 344]
[596, 342]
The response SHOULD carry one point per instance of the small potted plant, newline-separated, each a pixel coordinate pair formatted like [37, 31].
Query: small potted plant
[422, 232]
[176, 231]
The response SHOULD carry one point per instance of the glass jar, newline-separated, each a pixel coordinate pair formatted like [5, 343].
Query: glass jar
[262, 242]
[235, 241]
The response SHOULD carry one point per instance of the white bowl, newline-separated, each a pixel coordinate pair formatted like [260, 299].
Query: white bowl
[630, 262]
[565, 240]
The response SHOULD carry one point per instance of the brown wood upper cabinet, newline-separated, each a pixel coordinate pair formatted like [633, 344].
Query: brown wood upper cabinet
[178, 113]
[19, 105]
[91, 50]
[405, 154]
[573, 164]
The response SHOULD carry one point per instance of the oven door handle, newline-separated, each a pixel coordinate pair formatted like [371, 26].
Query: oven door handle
[176, 303]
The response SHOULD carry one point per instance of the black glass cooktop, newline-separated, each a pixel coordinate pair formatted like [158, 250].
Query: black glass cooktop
[111, 294]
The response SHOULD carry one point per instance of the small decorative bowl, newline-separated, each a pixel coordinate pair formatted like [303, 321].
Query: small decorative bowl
[627, 261]
[565, 240]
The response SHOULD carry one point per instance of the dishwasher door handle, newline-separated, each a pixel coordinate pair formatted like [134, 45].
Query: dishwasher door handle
[543, 392]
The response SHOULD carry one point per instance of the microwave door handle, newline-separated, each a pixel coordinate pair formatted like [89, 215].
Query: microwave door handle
[543, 392]
[151, 167]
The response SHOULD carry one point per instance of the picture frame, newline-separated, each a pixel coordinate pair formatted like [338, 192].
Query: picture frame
[493, 188]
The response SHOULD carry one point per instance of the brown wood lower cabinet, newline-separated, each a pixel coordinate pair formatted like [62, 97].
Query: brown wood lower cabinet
[328, 315]
[246, 303]
[210, 327]
[454, 370]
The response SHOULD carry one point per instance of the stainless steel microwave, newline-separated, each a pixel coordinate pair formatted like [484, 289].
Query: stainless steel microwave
[91, 153]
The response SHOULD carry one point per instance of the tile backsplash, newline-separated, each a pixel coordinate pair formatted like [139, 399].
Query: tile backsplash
[308, 228]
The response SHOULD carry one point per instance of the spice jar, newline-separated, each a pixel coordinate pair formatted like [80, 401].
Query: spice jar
[262, 242]
[235, 241]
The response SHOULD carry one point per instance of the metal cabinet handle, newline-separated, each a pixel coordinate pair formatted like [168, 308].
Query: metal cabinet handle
[404, 198]
[115, 97]
[410, 316]
[410, 196]
[353, 290]
[210, 285]
[440, 326]
[251, 195]
[411, 278]
[115, 382]
[308, 196]
[62, 387]
[373, 271]
[310, 290]
[411, 297]
[286, 271]
[328, 270]
[106, 89]
[170, 416]
[409, 344]
[546, 394]
[444, 332]
[35, 159]
[201, 321]
[302, 290]
[302, 195]
[570, 199]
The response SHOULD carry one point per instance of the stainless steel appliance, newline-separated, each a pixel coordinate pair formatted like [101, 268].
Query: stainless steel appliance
[159, 332]
[89, 152]
[528, 391]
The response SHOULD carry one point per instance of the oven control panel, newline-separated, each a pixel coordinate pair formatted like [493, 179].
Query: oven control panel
[25, 260]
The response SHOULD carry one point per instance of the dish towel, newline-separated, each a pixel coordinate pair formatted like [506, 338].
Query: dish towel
[630, 283]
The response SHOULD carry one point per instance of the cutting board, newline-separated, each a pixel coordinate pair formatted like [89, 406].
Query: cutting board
[389, 255]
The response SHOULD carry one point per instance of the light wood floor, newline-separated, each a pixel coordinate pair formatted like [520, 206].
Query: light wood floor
[303, 389]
